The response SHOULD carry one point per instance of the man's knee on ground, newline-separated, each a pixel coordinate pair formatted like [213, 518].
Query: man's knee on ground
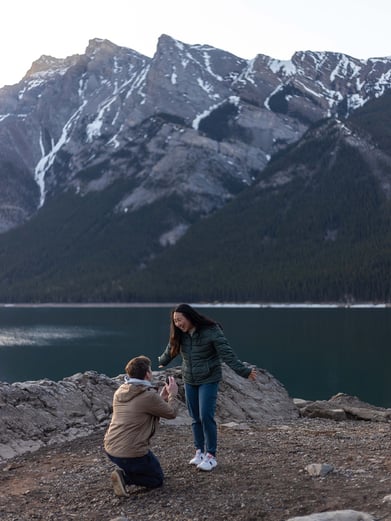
[156, 482]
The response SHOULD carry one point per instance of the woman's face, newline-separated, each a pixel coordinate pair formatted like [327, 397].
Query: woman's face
[181, 322]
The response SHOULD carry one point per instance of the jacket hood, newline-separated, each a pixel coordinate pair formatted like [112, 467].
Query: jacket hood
[127, 392]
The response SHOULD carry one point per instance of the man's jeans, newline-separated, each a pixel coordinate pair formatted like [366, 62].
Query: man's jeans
[201, 404]
[144, 472]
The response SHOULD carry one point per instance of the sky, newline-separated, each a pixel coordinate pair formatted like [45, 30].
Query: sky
[277, 28]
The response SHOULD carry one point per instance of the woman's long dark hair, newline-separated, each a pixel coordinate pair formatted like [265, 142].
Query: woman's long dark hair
[199, 321]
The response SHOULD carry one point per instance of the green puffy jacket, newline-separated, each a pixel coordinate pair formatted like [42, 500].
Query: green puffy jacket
[202, 354]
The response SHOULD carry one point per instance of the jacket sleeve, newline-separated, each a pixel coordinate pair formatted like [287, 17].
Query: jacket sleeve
[227, 355]
[165, 358]
[159, 407]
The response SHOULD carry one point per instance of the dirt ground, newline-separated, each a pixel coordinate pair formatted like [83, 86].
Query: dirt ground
[260, 476]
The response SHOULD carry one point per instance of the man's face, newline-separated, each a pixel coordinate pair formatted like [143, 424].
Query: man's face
[148, 375]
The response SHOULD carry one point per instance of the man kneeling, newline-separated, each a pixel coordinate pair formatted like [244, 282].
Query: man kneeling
[137, 407]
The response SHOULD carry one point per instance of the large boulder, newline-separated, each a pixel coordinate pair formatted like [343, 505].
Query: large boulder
[37, 413]
[343, 407]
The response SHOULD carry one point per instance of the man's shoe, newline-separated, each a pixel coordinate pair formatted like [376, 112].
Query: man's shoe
[198, 458]
[208, 463]
[118, 481]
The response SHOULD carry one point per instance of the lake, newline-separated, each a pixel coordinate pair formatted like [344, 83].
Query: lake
[314, 352]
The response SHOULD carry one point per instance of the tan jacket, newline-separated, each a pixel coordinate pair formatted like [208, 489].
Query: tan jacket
[136, 413]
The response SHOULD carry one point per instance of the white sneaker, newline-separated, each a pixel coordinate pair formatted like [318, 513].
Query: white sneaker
[209, 462]
[198, 458]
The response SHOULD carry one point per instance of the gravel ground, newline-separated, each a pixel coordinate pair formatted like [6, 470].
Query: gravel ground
[260, 476]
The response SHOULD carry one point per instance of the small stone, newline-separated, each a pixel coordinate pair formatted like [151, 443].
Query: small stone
[319, 469]
[336, 515]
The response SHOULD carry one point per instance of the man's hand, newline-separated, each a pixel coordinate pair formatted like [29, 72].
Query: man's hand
[171, 388]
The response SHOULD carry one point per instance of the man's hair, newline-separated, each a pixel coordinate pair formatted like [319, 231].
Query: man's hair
[138, 367]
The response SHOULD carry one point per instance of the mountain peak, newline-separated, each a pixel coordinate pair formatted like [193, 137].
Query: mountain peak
[166, 41]
[100, 44]
[106, 49]
[47, 63]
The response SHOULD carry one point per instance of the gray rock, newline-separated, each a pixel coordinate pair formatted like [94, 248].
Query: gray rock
[264, 400]
[319, 469]
[38, 413]
[343, 407]
[336, 515]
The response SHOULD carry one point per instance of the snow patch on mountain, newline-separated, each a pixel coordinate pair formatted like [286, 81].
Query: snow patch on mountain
[234, 100]
[172, 236]
[283, 67]
[47, 160]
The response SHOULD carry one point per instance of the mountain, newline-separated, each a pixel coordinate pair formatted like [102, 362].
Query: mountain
[316, 226]
[112, 163]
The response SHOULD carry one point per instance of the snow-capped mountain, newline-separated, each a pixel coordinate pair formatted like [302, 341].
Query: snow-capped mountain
[194, 122]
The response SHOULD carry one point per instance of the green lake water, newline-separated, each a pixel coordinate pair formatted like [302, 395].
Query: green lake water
[314, 352]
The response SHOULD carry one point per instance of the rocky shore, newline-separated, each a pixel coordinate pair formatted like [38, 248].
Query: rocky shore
[278, 458]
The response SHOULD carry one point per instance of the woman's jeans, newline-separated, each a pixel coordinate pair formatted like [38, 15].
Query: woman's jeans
[201, 404]
[144, 472]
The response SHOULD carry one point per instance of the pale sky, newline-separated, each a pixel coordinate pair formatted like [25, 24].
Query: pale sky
[278, 28]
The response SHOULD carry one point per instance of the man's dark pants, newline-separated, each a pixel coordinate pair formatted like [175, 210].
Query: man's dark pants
[144, 472]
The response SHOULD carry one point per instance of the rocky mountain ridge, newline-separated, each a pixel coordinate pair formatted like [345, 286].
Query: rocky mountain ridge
[110, 160]
[313, 227]
[194, 121]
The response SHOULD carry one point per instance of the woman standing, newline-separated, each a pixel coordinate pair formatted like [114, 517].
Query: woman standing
[202, 344]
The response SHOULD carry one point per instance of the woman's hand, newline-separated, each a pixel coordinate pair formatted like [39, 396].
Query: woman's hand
[253, 375]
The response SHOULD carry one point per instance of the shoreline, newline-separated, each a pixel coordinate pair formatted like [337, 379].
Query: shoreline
[252, 305]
